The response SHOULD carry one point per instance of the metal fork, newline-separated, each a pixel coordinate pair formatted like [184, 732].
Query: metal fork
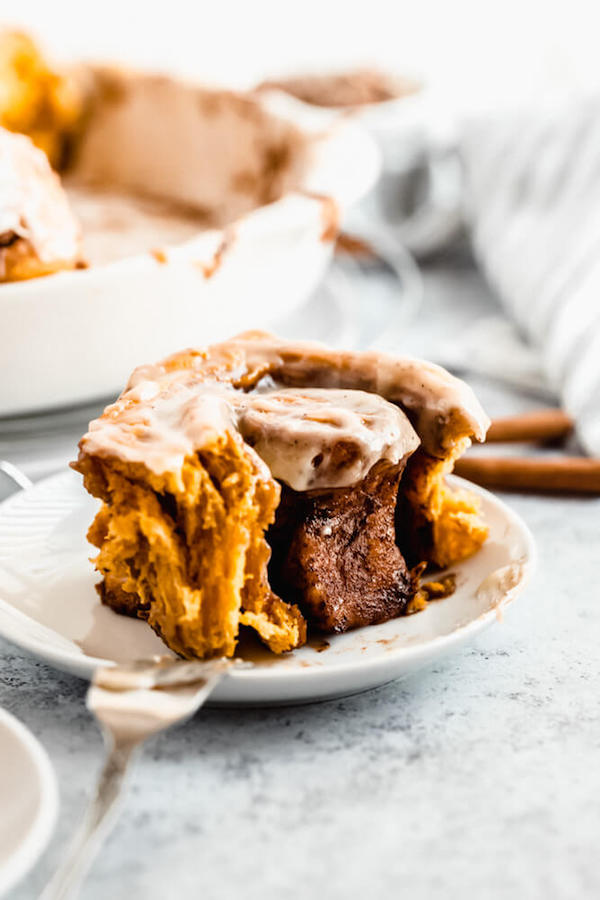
[131, 703]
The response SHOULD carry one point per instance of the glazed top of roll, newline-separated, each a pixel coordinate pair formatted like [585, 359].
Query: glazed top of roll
[442, 408]
[33, 206]
[319, 418]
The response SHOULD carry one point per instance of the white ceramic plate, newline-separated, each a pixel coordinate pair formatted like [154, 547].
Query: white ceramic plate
[29, 800]
[48, 606]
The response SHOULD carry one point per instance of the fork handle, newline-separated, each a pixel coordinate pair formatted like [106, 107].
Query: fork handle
[97, 824]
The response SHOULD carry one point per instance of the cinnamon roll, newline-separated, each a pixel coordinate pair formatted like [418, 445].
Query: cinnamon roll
[277, 485]
[38, 232]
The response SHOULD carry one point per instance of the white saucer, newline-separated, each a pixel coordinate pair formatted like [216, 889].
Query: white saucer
[48, 605]
[29, 800]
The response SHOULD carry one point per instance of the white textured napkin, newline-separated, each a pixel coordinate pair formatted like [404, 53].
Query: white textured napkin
[532, 196]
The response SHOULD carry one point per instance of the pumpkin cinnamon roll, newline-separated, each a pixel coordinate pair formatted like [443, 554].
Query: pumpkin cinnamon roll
[38, 232]
[278, 485]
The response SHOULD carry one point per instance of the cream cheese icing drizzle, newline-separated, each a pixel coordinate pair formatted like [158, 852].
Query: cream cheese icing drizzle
[442, 408]
[159, 428]
[33, 205]
[310, 439]
[318, 438]
[318, 418]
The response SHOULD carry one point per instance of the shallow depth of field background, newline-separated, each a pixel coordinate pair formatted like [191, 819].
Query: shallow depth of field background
[478, 52]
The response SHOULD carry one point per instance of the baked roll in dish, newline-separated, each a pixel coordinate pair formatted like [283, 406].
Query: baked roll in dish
[277, 485]
[38, 232]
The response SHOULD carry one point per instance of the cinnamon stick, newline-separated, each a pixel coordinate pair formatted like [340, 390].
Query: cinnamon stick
[571, 474]
[539, 426]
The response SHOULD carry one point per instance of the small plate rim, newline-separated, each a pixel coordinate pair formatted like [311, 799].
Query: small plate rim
[42, 826]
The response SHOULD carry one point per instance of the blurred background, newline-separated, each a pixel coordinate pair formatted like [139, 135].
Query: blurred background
[477, 53]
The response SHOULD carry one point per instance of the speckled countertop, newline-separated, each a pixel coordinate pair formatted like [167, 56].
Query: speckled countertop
[478, 777]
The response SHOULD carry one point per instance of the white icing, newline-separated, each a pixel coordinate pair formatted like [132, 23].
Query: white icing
[312, 439]
[442, 408]
[316, 438]
[33, 204]
[163, 430]
[309, 437]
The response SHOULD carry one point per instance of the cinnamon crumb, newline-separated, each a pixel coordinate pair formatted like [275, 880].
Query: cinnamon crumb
[353, 246]
[210, 268]
[159, 255]
[331, 219]
[443, 587]
[418, 602]
[431, 590]
[330, 215]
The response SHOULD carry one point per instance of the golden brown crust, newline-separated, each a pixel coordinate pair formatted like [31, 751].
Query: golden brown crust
[20, 262]
[436, 522]
[190, 548]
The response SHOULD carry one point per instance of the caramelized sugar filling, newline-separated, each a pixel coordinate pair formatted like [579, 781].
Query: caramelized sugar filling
[335, 553]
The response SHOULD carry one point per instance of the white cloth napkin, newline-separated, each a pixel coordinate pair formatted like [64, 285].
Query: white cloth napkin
[532, 199]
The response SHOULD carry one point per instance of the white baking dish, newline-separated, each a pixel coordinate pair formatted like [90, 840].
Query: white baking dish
[74, 337]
